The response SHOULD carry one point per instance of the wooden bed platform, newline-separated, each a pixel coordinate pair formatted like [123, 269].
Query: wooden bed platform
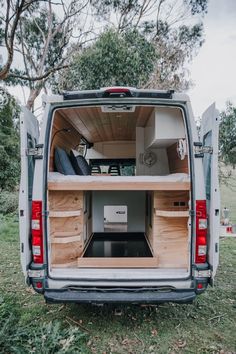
[135, 183]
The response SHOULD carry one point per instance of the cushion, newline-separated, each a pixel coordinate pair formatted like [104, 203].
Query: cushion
[62, 162]
[80, 165]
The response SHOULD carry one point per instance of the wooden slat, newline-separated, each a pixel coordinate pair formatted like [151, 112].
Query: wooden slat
[117, 185]
[124, 262]
[64, 214]
[68, 239]
[172, 214]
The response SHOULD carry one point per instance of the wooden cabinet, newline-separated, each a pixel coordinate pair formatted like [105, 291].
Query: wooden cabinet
[169, 230]
[66, 227]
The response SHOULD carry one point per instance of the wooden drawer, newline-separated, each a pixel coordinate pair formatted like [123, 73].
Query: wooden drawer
[73, 224]
[65, 200]
[172, 254]
[174, 200]
[66, 249]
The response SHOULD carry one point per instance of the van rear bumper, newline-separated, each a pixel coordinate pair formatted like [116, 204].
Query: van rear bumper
[97, 296]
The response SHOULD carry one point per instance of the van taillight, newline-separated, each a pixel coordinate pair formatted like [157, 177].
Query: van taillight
[201, 232]
[37, 231]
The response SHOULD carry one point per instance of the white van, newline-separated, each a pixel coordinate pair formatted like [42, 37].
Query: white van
[119, 199]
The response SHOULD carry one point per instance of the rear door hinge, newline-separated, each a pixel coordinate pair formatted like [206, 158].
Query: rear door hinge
[200, 150]
[36, 152]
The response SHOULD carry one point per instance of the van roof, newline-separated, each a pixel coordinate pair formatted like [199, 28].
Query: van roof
[115, 92]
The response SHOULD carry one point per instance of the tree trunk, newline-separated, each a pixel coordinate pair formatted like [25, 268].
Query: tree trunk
[34, 92]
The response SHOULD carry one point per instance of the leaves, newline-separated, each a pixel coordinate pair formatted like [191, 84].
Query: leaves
[227, 135]
[9, 142]
[114, 59]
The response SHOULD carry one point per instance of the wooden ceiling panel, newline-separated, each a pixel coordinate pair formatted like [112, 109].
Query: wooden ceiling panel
[96, 125]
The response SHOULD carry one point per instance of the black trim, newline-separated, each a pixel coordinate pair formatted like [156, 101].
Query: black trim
[190, 141]
[97, 296]
[78, 95]
[145, 94]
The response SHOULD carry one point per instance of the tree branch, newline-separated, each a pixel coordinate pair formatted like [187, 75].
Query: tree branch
[38, 78]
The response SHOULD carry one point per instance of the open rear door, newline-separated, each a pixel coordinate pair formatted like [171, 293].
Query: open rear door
[29, 134]
[209, 139]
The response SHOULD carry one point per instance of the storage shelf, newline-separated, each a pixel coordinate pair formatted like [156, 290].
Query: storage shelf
[66, 239]
[65, 234]
[117, 262]
[64, 214]
[172, 213]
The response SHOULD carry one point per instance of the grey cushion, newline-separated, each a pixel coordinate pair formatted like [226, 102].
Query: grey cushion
[80, 164]
[62, 162]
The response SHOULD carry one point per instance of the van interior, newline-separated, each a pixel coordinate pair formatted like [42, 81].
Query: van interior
[119, 188]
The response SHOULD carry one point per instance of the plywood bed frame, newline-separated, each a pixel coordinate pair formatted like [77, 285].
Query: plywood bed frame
[167, 235]
[176, 182]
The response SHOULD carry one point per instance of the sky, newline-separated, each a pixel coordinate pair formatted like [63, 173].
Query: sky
[213, 70]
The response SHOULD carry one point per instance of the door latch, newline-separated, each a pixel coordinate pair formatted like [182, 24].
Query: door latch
[36, 152]
[200, 150]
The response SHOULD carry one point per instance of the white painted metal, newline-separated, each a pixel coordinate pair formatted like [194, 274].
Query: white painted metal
[209, 134]
[29, 129]
[138, 275]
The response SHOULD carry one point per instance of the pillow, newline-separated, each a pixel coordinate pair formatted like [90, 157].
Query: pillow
[80, 165]
[62, 162]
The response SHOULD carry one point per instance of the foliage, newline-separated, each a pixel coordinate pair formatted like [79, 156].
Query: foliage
[27, 322]
[147, 45]
[121, 59]
[227, 135]
[9, 142]
[48, 337]
[8, 202]
[41, 41]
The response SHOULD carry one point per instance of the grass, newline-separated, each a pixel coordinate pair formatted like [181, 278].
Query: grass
[28, 325]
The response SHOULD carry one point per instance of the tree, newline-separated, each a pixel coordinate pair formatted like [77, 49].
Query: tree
[10, 16]
[162, 24]
[114, 59]
[227, 135]
[41, 41]
[9, 141]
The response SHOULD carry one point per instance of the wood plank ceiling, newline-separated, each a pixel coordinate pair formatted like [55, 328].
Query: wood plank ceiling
[97, 126]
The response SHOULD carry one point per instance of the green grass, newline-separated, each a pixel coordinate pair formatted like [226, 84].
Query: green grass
[28, 325]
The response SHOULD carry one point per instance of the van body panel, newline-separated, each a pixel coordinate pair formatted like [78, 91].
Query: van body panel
[175, 279]
[29, 134]
[209, 137]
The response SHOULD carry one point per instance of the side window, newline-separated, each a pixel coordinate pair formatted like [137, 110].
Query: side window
[30, 144]
[207, 141]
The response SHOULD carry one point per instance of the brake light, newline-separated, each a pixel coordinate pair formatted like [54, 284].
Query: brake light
[201, 232]
[37, 232]
[117, 91]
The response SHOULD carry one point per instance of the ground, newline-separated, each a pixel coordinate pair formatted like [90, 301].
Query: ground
[28, 325]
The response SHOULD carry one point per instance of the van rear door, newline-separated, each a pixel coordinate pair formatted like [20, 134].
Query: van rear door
[29, 134]
[209, 138]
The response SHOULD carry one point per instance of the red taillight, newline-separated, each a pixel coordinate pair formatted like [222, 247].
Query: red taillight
[117, 91]
[201, 231]
[37, 232]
